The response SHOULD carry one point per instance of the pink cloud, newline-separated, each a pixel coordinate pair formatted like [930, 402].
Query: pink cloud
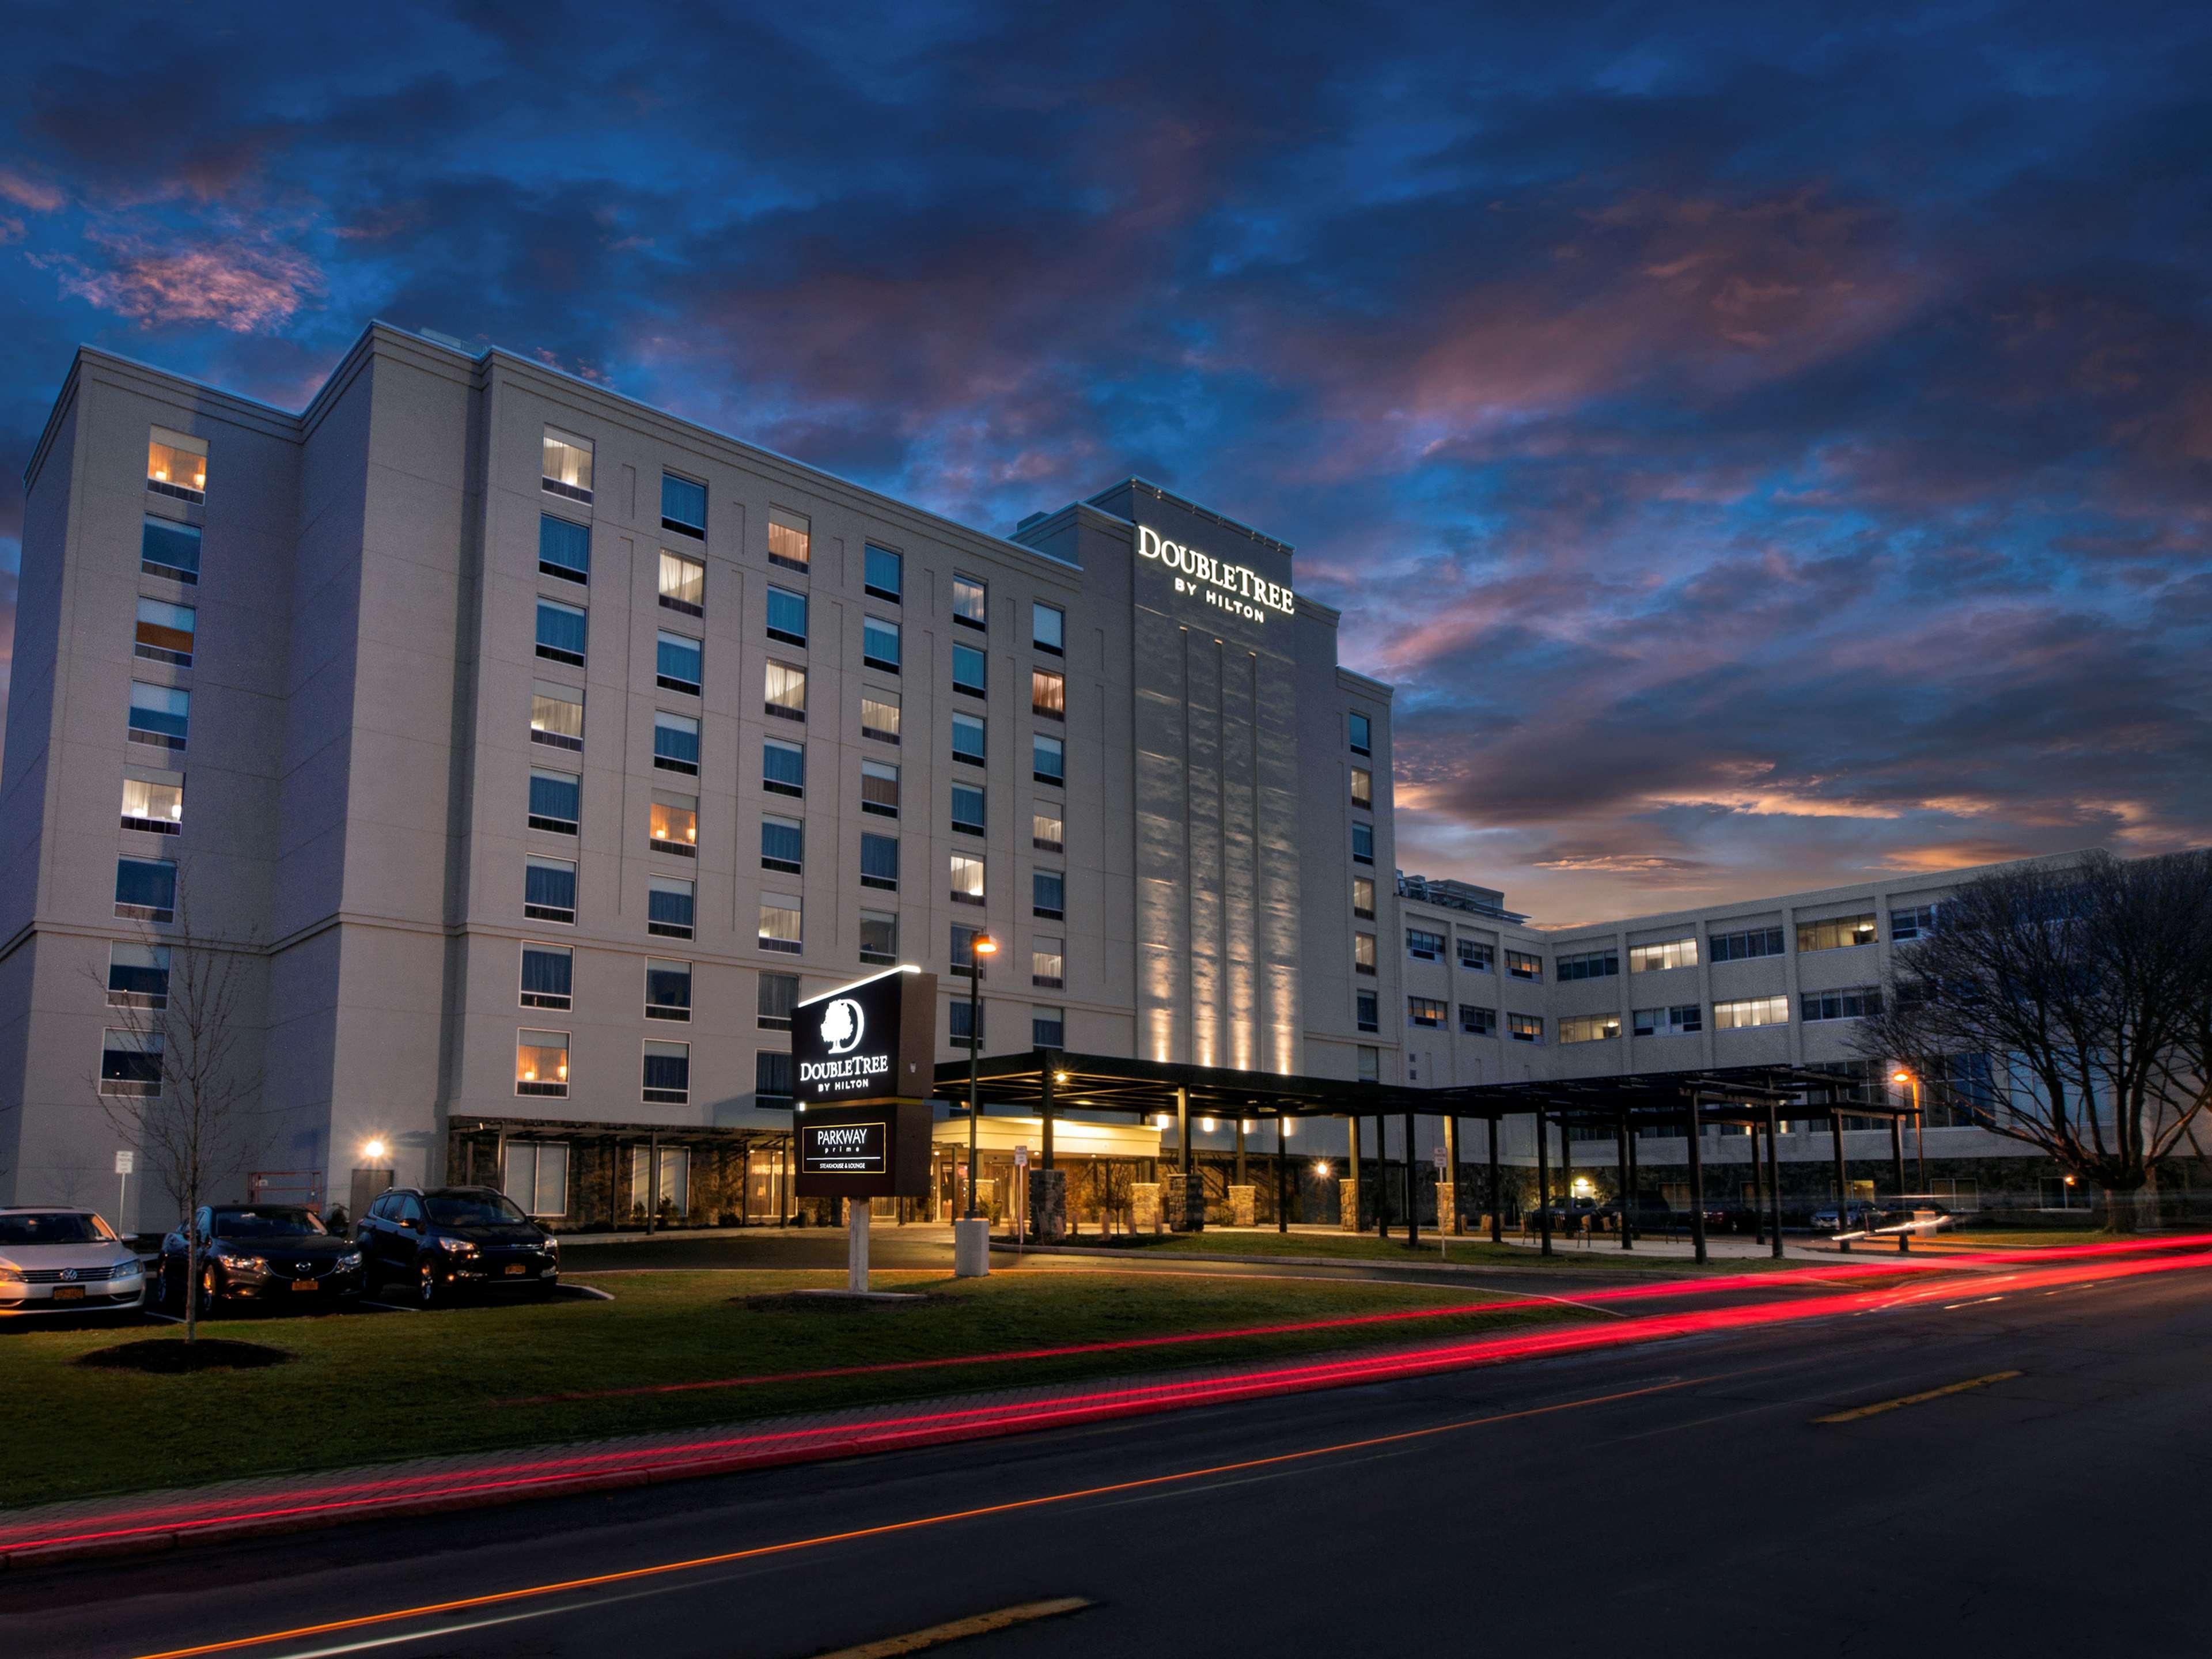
[236, 286]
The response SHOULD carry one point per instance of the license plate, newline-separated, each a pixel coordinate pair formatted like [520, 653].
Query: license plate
[303, 1284]
[69, 1292]
[516, 1269]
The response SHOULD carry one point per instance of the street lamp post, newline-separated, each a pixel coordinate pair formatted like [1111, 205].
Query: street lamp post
[1919, 1125]
[981, 946]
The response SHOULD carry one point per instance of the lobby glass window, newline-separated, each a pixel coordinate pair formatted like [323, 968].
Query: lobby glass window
[879, 714]
[1363, 953]
[879, 788]
[1836, 933]
[783, 845]
[561, 632]
[967, 879]
[1367, 1011]
[564, 548]
[667, 1082]
[1371, 1064]
[672, 823]
[1683, 1020]
[879, 644]
[964, 949]
[1744, 946]
[783, 768]
[1048, 894]
[1478, 1022]
[880, 862]
[536, 1176]
[1747, 1012]
[682, 505]
[1913, 922]
[1363, 786]
[541, 1064]
[547, 970]
[138, 976]
[161, 716]
[790, 539]
[1363, 897]
[675, 743]
[667, 990]
[785, 691]
[777, 1003]
[1423, 946]
[1424, 1012]
[176, 465]
[879, 937]
[130, 1064]
[1048, 628]
[968, 737]
[165, 633]
[169, 549]
[969, 668]
[772, 1076]
[555, 801]
[1524, 1028]
[1361, 732]
[969, 598]
[883, 572]
[549, 890]
[1363, 843]
[1047, 759]
[683, 583]
[1048, 694]
[568, 466]
[556, 715]
[1586, 964]
[1047, 1027]
[1477, 956]
[153, 800]
[781, 918]
[787, 615]
[1521, 965]
[1588, 1028]
[968, 808]
[967, 1017]
[1047, 832]
[1853, 1002]
[670, 903]
[1047, 962]
[1667, 953]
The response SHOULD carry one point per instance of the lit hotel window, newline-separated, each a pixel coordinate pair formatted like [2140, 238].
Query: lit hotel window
[683, 583]
[1838, 933]
[790, 539]
[1363, 898]
[1524, 1028]
[967, 879]
[1750, 1010]
[1048, 832]
[786, 692]
[541, 1063]
[1048, 694]
[879, 716]
[153, 801]
[1363, 786]
[1047, 962]
[879, 788]
[1363, 953]
[1424, 1012]
[967, 601]
[1588, 1028]
[567, 466]
[165, 633]
[780, 922]
[1668, 953]
[176, 465]
[673, 824]
[556, 715]
[1521, 965]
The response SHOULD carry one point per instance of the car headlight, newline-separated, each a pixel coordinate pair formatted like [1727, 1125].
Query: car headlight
[246, 1264]
[349, 1259]
[10, 1274]
[128, 1269]
[457, 1246]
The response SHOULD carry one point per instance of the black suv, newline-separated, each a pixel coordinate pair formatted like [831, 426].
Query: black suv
[441, 1240]
[262, 1252]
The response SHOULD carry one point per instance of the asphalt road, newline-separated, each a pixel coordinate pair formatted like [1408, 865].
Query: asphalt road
[1677, 1498]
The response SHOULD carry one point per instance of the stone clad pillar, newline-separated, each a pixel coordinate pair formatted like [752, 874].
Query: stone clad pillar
[1144, 1206]
[1048, 1200]
[1243, 1210]
[1186, 1203]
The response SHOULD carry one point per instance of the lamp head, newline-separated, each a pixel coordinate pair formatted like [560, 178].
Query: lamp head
[985, 945]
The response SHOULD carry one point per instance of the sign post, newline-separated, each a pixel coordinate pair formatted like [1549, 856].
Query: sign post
[125, 1164]
[1442, 1157]
[1021, 1197]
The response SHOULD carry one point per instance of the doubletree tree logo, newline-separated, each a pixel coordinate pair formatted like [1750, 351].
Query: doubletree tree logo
[842, 1023]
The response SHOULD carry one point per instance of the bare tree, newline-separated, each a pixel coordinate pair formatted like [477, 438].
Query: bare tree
[200, 1125]
[2087, 989]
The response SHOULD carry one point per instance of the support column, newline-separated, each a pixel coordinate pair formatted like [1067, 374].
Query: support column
[1842, 1183]
[1497, 1197]
[1897, 1161]
[1185, 1197]
[1044, 1109]
[1382, 1176]
[1347, 1214]
[1697, 1176]
[1452, 1160]
[1774, 1180]
[1635, 1173]
[1282, 1182]
[1757, 1198]
[1413, 1202]
[1566, 1166]
[653, 1190]
[1626, 1196]
[1241, 1181]
[1544, 1181]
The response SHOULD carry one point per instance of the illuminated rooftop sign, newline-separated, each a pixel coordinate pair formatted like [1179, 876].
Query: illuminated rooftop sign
[1237, 589]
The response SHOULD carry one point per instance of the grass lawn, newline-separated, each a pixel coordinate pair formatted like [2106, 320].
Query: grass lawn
[1468, 1251]
[365, 1388]
[2031, 1238]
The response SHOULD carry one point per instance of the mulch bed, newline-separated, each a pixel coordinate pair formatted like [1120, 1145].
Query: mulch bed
[793, 1302]
[170, 1356]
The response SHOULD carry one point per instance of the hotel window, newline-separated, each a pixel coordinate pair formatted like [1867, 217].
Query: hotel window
[1367, 1011]
[1363, 786]
[967, 879]
[777, 1003]
[1371, 1064]
[556, 715]
[1048, 694]
[1478, 1022]
[676, 660]
[667, 990]
[1047, 1027]
[176, 465]
[555, 801]
[1853, 1002]
[1747, 1012]
[879, 788]
[130, 1064]
[1918, 922]
[1363, 843]
[1047, 759]
[153, 801]
[1668, 953]
[1586, 964]
[967, 601]
[883, 572]
[549, 890]
[1524, 1028]
[1521, 965]
[666, 1082]
[1588, 1028]
[1743, 947]
[968, 737]
[968, 808]
[683, 583]
[771, 1077]
[561, 632]
[1048, 628]
[879, 937]
[170, 550]
[963, 951]
[1363, 953]
[1424, 1012]
[669, 905]
[1837, 933]
[541, 1063]
[1048, 832]
[165, 633]
[780, 918]
[786, 692]
[547, 970]
[1363, 897]
[787, 615]
[538, 1176]
[564, 548]
[682, 505]
[568, 466]
[783, 845]
[1477, 957]
[879, 714]
[790, 539]
[1682, 1020]
[968, 667]
[783, 768]
[879, 644]
[138, 975]
[1423, 946]
[880, 862]
[1047, 962]
[966, 1017]
[161, 716]
[675, 743]
[1048, 894]
[672, 823]
[1362, 733]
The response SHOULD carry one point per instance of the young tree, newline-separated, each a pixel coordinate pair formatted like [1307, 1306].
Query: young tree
[2089, 987]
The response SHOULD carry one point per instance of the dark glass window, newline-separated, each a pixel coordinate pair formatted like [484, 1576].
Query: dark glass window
[880, 862]
[884, 572]
[1048, 894]
[171, 550]
[682, 505]
[564, 548]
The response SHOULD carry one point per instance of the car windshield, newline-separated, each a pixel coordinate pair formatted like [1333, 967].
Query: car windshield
[54, 1227]
[265, 1224]
[471, 1209]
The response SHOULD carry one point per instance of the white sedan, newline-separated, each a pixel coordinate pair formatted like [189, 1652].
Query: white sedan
[64, 1260]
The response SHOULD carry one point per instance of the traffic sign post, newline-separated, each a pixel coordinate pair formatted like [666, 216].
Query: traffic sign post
[1021, 1199]
[127, 1165]
[1441, 1157]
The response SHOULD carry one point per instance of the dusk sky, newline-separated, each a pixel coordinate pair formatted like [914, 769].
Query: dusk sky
[1764, 446]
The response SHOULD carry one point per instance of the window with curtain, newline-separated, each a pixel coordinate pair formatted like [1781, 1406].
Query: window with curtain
[176, 465]
[538, 1176]
[556, 715]
[549, 890]
[1047, 962]
[783, 768]
[778, 1001]
[541, 1063]
[564, 548]
[790, 539]
[1048, 894]
[967, 601]
[161, 716]
[780, 916]
[672, 823]
[677, 663]
[968, 737]
[1588, 1028]
[153, 800]
[169, 549]
[669, 902]
[1367, 1011]
[880, 862]
[786, 692]
[783, 844]
[1667, 953]
[772, 1075]
[555, 801]
[883, 573]
[1048, 694]
[967, 879]
[561, 632]
[879, 788]
[968, 808]
[1047, 832]
[683, 583]
[165, 633]
[879, 644]
[667, 990]
[1047, 759]
[968, 670]
[787, 615]
[675, 743]
[879, 716]
[682, 505]
[1047, 628]
[568, 464]
[1047, 1027]
[668, 1083]
[878, 937]
[545, 976]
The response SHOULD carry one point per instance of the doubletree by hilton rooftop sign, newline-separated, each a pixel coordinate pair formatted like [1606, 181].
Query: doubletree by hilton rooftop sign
[1237, 589]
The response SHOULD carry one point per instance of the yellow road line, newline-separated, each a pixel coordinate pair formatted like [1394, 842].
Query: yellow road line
[1875, 1410]
[981, 1624]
